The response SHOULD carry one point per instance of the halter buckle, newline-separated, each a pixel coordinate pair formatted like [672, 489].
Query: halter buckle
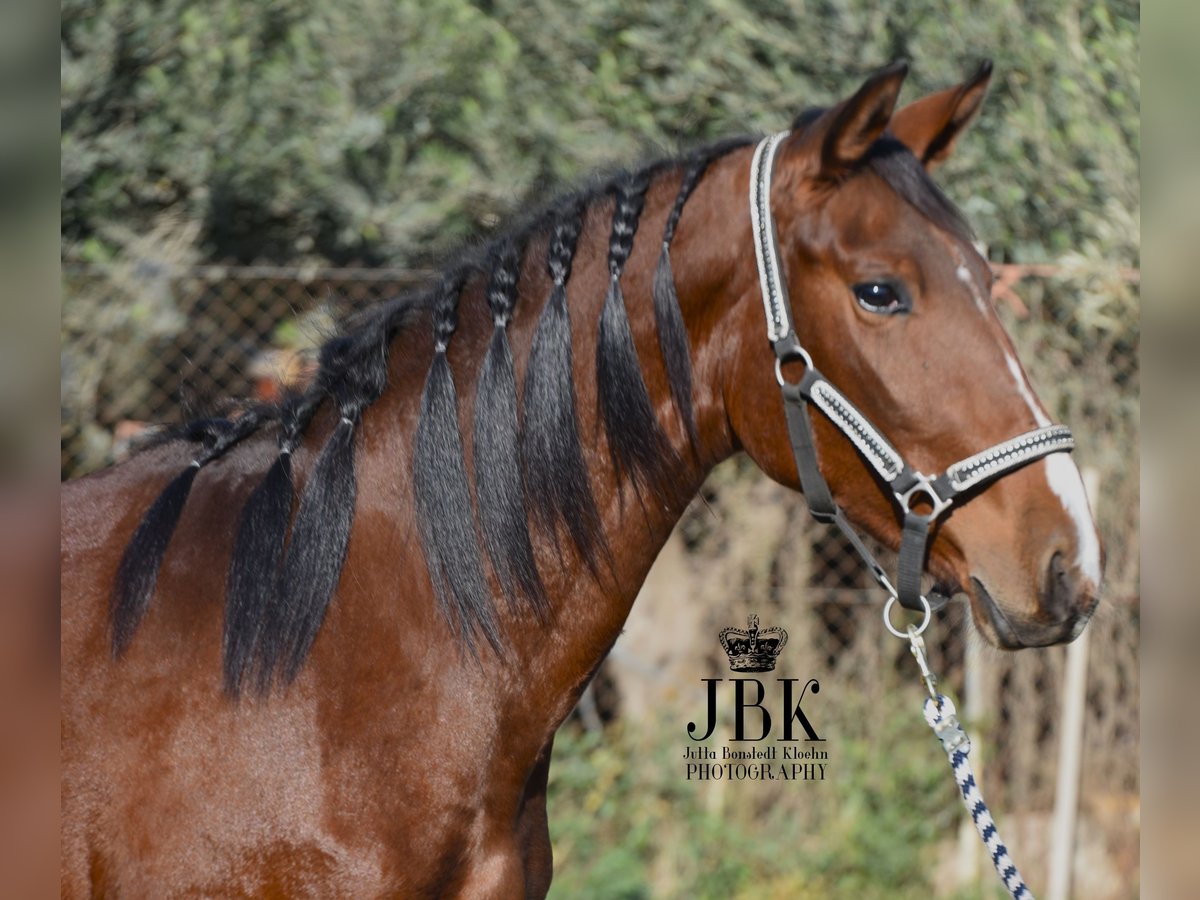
[922, 488]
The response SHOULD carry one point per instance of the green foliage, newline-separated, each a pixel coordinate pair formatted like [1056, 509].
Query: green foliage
[386, 130]
[625, 823]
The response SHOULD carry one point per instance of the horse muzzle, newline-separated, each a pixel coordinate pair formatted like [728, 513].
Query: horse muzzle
[1066, 601]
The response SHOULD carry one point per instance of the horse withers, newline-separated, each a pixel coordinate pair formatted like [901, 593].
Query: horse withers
[322, 648]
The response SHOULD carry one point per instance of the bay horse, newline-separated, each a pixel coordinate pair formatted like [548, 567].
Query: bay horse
[322, 648]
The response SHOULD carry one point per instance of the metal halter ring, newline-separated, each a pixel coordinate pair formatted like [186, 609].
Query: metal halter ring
[779, 365]
[887, 618]
[923, 489]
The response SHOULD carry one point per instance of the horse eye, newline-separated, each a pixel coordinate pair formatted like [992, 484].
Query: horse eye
[880, 297]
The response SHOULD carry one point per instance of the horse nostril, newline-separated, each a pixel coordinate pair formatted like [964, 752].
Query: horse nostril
[1056, 593]
[1068, 599]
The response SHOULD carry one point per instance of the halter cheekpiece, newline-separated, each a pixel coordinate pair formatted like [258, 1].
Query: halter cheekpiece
[910, 489]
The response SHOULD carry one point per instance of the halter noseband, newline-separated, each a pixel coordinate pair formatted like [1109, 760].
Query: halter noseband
[909, 487]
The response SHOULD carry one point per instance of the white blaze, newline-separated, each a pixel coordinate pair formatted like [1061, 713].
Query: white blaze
[1039, 414]
[1063, 477]
[963, 274]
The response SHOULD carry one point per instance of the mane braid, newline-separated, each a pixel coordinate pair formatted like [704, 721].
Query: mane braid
[137, 573]
[252, 614]
[554, 468]
[672, 333]
[499, 488]
[444, 514]
[637, 446]
[354, 374]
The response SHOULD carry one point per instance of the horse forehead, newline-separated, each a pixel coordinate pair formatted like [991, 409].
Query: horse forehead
[864, 211]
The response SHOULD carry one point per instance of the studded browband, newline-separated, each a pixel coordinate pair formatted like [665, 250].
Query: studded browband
[910, 489]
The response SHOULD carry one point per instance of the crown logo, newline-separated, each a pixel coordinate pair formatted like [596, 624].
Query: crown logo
[753, 650]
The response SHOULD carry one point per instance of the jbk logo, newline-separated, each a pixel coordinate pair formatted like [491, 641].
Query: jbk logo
[755, 650]
[748, 697]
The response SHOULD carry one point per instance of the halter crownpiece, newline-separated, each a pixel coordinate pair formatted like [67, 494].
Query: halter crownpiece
[766, 250]
[910, 488]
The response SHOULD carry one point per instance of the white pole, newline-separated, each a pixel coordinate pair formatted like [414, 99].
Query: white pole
[1070, 750]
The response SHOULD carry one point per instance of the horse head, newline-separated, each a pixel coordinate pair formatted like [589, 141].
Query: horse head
[891, 300]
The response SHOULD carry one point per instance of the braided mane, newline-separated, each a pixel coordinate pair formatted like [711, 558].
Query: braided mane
[529, 467]
[279, 587]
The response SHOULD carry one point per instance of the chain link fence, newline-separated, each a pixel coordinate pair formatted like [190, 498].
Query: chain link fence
[146, 344]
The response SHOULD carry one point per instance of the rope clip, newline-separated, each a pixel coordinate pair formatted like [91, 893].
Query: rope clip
[916, 644]
[945, 724]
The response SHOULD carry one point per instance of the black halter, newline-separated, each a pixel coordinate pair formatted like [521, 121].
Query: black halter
[910, 489]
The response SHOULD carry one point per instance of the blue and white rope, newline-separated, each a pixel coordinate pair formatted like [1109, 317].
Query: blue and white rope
[941, 717]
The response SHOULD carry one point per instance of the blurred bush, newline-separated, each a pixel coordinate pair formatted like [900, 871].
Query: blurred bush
[382, 131]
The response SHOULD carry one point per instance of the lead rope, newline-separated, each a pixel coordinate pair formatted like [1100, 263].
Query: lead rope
[940, 714]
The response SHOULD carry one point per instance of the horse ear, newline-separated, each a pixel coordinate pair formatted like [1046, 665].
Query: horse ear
[851, 127]
[930, 126]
